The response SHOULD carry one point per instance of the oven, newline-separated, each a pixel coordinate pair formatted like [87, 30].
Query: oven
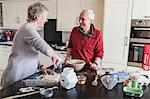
[139, 35]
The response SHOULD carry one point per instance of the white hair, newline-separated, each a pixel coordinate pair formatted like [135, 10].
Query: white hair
[89, 13]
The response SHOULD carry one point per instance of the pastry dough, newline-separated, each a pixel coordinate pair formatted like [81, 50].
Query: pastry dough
[52, 78]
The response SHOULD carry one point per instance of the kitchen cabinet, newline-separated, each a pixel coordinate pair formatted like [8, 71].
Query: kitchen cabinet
[141, 9]
[98, 7]
[69, 10]
[15, 12]
[12, 14]
[66, 14]
[116, 31]
[5, 52]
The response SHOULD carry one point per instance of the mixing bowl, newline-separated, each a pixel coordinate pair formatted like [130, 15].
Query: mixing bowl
[77, 64]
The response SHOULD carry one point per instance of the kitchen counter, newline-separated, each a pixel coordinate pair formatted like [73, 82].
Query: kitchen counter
[80, 91]
[5, 50]
[130, 69]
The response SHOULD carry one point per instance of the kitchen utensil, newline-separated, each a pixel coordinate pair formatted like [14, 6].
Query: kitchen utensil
[26, 89]
[47, 93]
[37, 82]
[109, 81]
[22, 95]
[77, 64]
[95, 82]
[58, 64]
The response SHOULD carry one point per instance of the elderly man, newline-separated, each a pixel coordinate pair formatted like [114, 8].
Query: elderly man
[86, 42]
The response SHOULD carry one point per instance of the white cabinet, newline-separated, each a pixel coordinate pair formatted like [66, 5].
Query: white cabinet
[69, 10]
[141, 9]
[12, 14]
[51, 5]
[4, 56]
[66, 14]
[15, 12]
[117, 18]
[98, 7]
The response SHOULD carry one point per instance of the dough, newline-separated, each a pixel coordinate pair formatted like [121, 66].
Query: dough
[52, 78]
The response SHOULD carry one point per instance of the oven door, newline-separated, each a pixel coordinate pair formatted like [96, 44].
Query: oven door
[136, 52]
[140, 32]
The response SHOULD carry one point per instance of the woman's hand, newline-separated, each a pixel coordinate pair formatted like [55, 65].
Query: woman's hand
[57, 62]
[46, 71]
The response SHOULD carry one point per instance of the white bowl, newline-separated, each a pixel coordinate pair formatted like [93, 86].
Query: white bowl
[77, 64]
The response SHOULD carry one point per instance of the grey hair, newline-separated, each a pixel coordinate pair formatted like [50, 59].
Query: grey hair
[35, 10]
[89, 13]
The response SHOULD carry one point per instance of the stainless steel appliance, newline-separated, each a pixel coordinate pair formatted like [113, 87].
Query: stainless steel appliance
[140, 35]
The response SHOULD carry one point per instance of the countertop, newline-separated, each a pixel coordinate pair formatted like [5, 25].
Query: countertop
[80, 91]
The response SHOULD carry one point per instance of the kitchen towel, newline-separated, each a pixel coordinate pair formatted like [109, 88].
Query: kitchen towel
[146, 58]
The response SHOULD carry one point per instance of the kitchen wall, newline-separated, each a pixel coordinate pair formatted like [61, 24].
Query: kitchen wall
[65, 36]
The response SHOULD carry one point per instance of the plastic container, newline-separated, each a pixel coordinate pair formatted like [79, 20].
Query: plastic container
[109, 81]
[82, 79]
[133, 88]
[46, 93]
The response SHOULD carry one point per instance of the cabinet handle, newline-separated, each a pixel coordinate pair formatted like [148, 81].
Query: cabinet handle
[146, 16]
[126, 41]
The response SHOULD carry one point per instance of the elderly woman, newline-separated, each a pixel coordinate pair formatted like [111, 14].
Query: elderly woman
[23, 60]
[86, 42]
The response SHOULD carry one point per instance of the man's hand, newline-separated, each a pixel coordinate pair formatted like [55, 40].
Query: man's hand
[93, 66]
[67, 59]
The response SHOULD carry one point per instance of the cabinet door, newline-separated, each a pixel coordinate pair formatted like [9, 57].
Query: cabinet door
[117, 20]
[69, 10]
[4, 54]
[97, 6]
[141, 9]
[66, 14]
[15, 12]
[12, 14]
[51, 5]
